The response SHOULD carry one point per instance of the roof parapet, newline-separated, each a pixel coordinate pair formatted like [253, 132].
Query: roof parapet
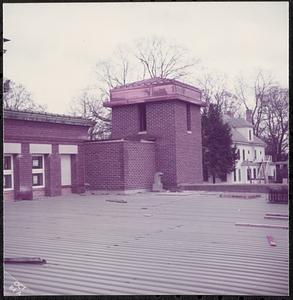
[152, 90]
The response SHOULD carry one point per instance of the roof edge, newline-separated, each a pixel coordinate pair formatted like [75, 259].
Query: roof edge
[46, 117]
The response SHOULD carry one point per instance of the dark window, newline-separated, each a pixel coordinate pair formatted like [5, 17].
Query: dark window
[7, 163]
[254, 173]
[142, 117]
[248, 174]
[38, 179]
[7, 181]
[188, 117]
[255, 155]
[243, 153]
[250, 135]
[37, 162]
[235, 179]
[238, 154]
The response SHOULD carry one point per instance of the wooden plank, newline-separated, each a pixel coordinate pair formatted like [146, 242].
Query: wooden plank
[276, 218]
[24, 260]
[240, 195]
[117, 201]
[261, 225]
[277, 214]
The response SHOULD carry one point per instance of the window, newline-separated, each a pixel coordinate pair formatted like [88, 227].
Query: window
[235, 179]
[239, 174]
[238, 154]
[243, 153]
[8, 173]
[254, 173]
[248, 174]
[255, 154]
[249, 132]
[38, 176]
[188, 117]
[142, 117]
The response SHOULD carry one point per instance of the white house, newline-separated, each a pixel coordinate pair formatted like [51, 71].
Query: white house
[252, 165]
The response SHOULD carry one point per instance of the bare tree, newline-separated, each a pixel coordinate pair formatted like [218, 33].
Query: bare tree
[114, 71]
[158, 58]
[215, 90]
[17, 97]
[88, 105]
[258, 90]
[276, 122]
[145, 58]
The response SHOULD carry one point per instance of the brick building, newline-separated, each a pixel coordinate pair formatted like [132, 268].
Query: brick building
[43, 154]
[156, 127]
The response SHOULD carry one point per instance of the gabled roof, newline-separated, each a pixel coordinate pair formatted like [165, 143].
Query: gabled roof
[46, 117]
[237, 137]
[236, 122]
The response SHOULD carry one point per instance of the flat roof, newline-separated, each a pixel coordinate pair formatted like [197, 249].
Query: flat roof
[46, 117]
[156, 243]
[154, 90]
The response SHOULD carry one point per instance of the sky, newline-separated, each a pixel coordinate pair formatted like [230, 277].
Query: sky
[54, 47]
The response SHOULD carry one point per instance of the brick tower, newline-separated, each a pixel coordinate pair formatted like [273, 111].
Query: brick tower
[168, 112]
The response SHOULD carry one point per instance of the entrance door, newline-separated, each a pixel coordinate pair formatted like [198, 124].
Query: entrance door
[65, 170]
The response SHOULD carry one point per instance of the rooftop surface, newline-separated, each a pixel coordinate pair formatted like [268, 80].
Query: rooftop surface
[167, 243]
[153, 90]
[46, 117]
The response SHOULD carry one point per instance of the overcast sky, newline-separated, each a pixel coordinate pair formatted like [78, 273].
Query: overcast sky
[54, 46]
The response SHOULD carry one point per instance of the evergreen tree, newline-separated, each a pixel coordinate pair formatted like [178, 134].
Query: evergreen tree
[219, 154]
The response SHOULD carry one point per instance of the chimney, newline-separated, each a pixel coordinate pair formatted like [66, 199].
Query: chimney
[249, 115]
[230, 114]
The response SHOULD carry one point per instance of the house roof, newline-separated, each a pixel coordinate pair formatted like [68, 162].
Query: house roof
[46, 117]
[237, 137]
[237, 122]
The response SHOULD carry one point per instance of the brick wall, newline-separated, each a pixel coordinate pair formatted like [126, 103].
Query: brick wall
[119, 165]
[188, 145]
[161, 123]
[53, 173]
[78, 170]
[178, 153]
[23, 174]
[125, 121]
[104, 165]
[139, 164]
[15, 130]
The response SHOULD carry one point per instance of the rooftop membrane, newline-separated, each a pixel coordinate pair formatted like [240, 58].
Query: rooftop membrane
[148, 243]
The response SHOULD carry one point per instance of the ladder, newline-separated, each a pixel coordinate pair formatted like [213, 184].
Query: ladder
[263, 171]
